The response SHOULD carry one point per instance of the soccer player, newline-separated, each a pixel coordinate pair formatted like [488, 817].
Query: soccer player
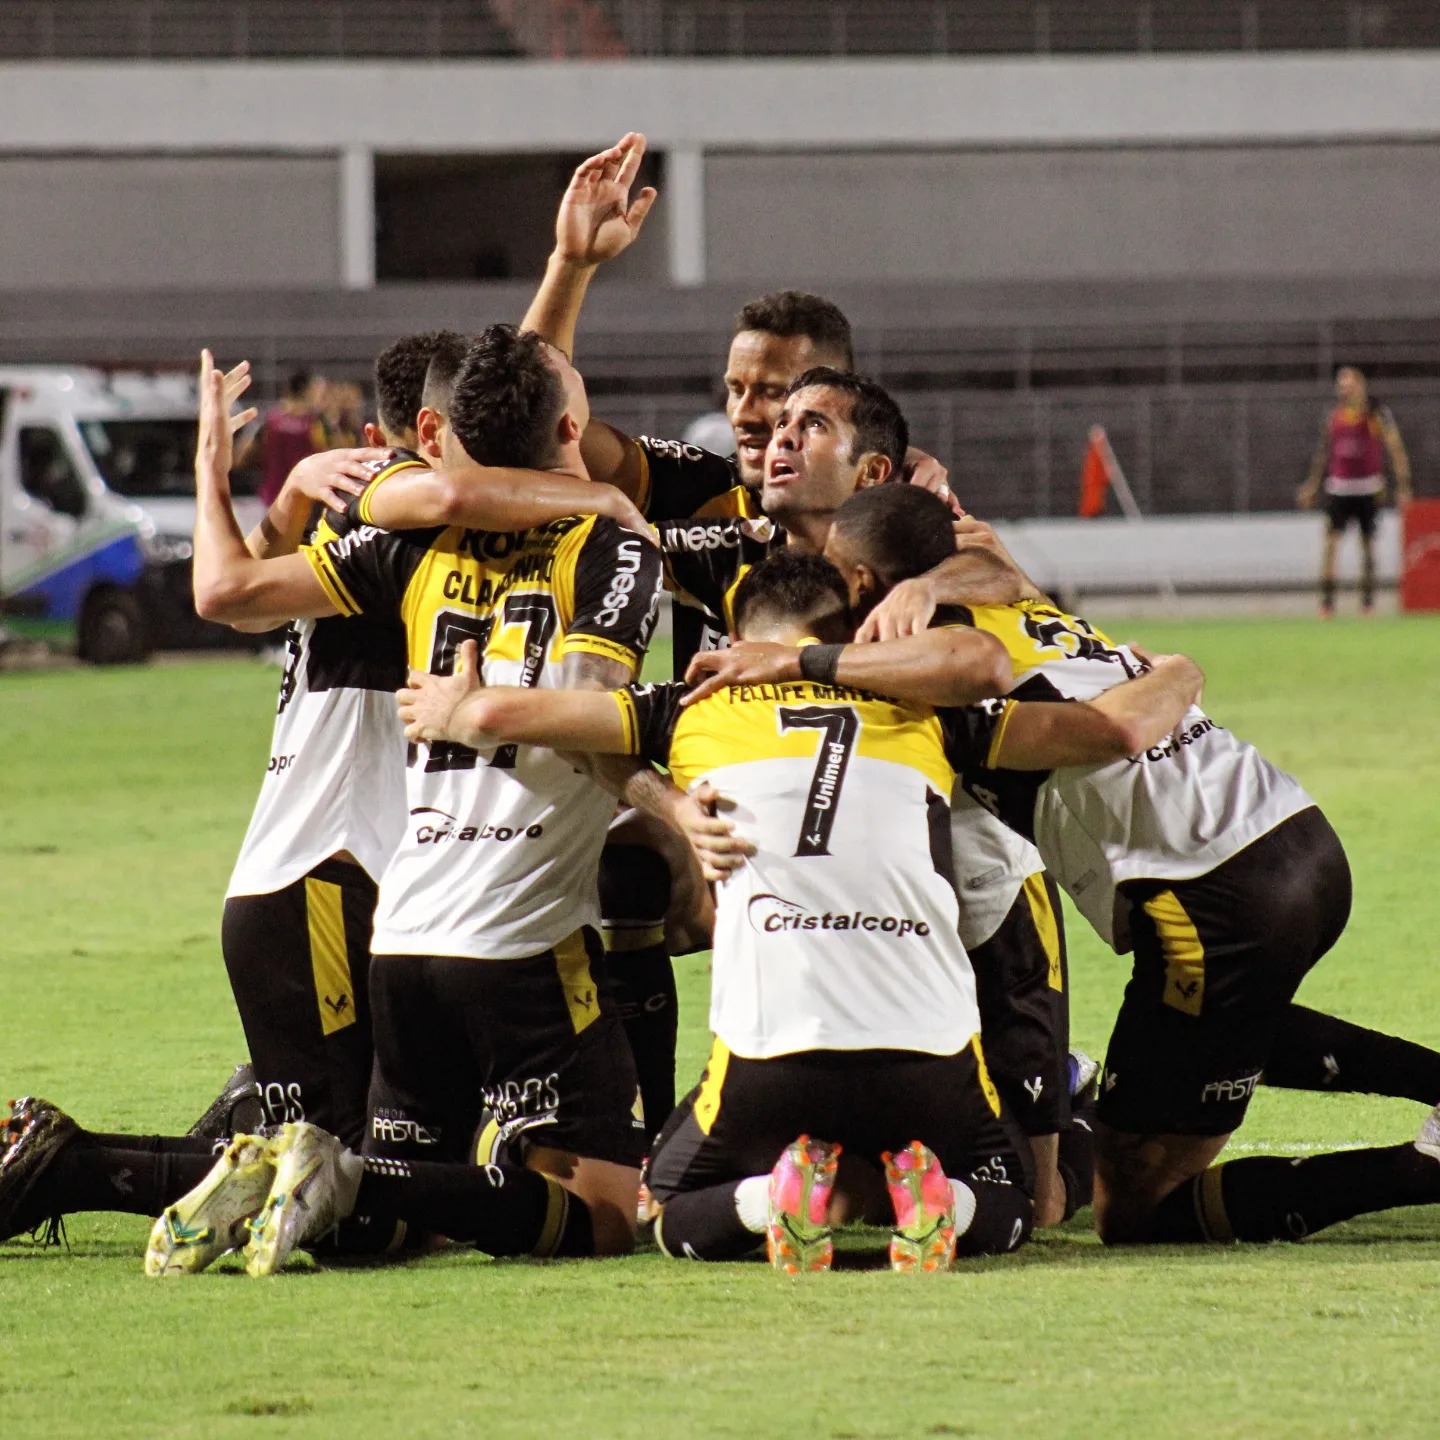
[1221, 874]
[296, 930]
[843, 1005]
[1355, 438]
[489, 990]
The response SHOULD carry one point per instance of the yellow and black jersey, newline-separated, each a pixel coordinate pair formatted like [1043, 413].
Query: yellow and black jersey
[678, 480]
[705, 561]
[1173, 812]
[840, 932]
[499, 858]
[336, 721]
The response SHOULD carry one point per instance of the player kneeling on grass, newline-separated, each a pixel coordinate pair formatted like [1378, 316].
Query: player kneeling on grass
[843, 1002]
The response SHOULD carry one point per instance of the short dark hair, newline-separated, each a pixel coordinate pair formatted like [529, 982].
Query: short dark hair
[797, 312]
[443, 371]
[789, 586]
[400, 376]
[507, 400]
[899, 531]
[879, 424]
[298, 383]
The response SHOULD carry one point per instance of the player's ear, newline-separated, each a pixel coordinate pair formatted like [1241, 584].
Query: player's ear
[875, 469]
[569, 430]
[866, 589]
[427, 432]
[374, 436]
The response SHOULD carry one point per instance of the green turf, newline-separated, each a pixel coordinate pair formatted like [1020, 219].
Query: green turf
[122, 804]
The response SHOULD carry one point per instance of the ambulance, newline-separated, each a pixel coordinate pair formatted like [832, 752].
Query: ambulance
[96, 511]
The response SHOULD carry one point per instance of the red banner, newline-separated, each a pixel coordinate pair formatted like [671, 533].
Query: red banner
[1420, 556]
[1094, 480]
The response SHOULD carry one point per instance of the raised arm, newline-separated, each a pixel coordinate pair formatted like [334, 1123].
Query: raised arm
[951, 666]
[1126, 720]
[596, 222]
[230, 584]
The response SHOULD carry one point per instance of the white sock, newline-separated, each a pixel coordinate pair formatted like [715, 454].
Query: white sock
[964, 1205]
[752, 1203]
[349, 1169]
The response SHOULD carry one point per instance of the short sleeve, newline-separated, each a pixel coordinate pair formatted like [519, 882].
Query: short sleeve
[364, 569]
[973, 733]
[679, 478]
[399, 461]
[617, 595]
[947, 617]
[649, 713]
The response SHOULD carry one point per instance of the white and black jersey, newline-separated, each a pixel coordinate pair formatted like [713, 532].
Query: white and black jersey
[1174, 812]
[336, 776]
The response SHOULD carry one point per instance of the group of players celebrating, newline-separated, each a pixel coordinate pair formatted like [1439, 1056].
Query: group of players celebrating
[449, 932]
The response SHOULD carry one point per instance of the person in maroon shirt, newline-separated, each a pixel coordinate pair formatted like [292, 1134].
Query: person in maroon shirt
[1350, 458]
[290, 431]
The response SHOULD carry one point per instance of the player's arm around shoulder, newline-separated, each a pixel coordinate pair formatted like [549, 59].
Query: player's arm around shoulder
[1124, 721]
[944, 667]
[459, 707]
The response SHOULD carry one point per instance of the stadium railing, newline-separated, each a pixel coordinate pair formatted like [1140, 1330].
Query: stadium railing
[256, 29]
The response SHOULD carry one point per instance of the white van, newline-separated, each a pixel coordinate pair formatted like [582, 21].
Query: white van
[97, 509]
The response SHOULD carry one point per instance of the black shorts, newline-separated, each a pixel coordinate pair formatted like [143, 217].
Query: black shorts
[743, 1113]
[503, 1055]
[1022, 984]
[1217, 960]
[1340, 510]
[299, 962]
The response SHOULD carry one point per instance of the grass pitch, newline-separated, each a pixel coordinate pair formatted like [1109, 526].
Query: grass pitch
[124, 797]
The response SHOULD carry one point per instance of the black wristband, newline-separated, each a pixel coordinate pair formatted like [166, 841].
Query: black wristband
[818, 663]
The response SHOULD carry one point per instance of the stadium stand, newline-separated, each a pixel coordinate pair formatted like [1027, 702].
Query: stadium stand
[253, 29]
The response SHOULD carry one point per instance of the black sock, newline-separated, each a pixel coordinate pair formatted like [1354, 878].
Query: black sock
[140, 1175]
[1327, 594]
[1076, 1157]
[1367, 578]
[634, 896]
[1268, 1198]
[704, 1225]
[1313, 1051]
[1004, 1217]
[500, 1209]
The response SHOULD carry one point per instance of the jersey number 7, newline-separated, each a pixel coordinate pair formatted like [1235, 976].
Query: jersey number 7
[839, 726]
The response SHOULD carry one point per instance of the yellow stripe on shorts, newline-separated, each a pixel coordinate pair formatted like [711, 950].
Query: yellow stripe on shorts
[329, 957]
[707, 1102]
[1183, 951]
[986, 1083]
[1047, 926]
[572, 964]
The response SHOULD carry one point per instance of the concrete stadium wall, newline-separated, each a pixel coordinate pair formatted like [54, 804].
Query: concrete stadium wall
[1281, 212]
[1203, 553]
[157, 221]
[1086, 166]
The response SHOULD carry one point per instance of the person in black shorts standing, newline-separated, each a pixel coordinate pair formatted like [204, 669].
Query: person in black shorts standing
[1349, 460]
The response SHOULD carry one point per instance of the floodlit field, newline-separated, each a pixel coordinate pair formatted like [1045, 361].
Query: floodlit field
[123, 800]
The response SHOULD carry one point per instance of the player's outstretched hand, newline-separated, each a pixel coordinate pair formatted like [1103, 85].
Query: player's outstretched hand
[214, 446]
[748, 662]
[597, 219]
[333, 476]
[906, 610]
[428, 703]
[712, 834]
[929, 474]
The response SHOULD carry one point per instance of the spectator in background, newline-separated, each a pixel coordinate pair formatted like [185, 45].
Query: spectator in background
[343, 415]
[1350, 459]
[290, 431]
